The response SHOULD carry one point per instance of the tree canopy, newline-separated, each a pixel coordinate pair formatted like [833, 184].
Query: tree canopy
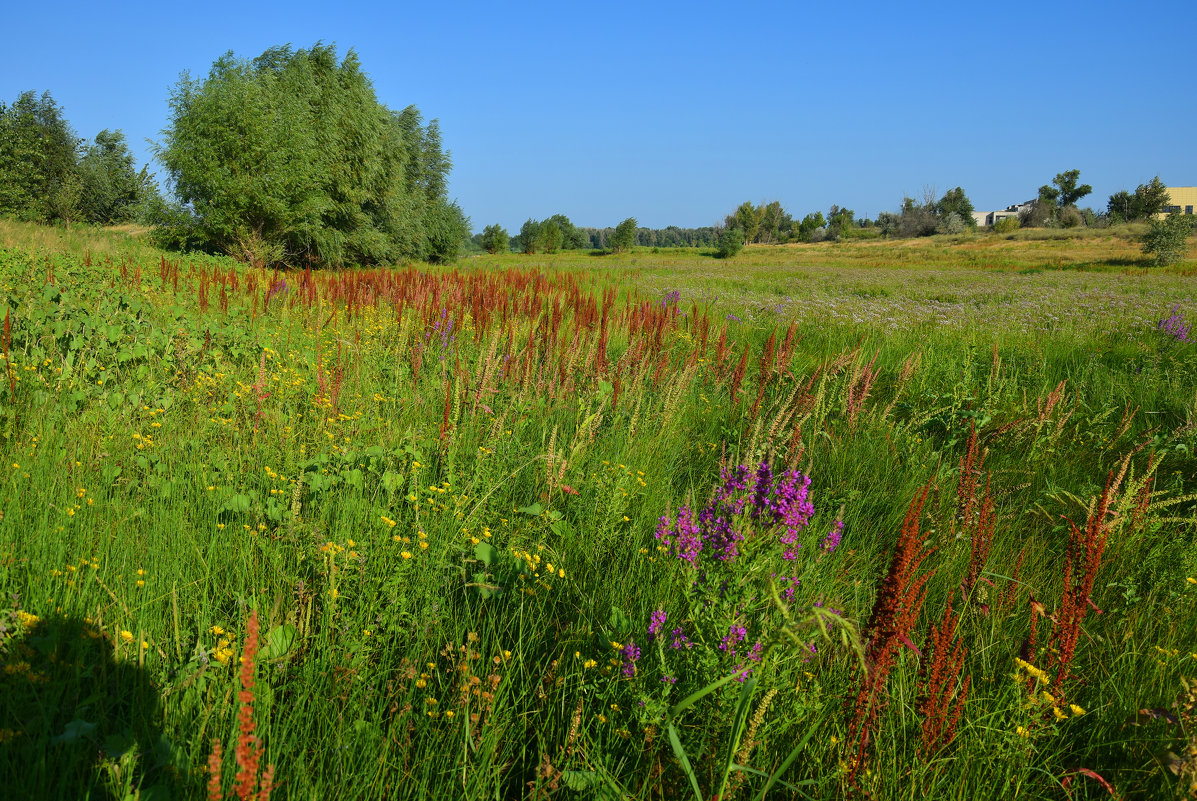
[291, 157]
[47, 174]
[1147, 201]
[624, 237]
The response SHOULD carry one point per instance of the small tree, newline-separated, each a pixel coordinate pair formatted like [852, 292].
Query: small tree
[530, 236]
[111, 185]
[624, 236]
[838, 221]
[810, 224]
[1168, 239]
[571, 237]
[748, 219]
[1068, 192]
[955, 201]
[550, 236]
[731, 242]
[495, 239]
[1149, 199]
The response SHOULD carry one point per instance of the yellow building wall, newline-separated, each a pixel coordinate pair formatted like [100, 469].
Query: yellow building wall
[1183, 196]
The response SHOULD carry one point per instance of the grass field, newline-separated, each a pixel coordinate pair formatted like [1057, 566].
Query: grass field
[867, 519]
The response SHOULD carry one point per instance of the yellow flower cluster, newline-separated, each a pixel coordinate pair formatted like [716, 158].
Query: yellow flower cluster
[223, 651]
[27, 620]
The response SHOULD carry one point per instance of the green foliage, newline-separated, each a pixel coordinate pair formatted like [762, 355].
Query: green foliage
[1168, 238]
[954, 201]
[494, 239]
[811, 225]
[731, 242]
[1006, 225]
[1067, 192]
[529, 236]
[747, 219]
[572, 237]
[291, 157]
[548, 238]
[624, 237]
[766, 224]
[952, 224]
[1147, 201]
[839, 221]
[38, 153]
[112, 188]
[445, 230]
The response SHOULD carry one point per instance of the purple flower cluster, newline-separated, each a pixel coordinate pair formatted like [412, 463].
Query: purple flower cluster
[1176, 326]
[682, 536]
[630, 653]
[678, 639]
[655, 623]
[735, 635]
[781, 502]
[832, 540]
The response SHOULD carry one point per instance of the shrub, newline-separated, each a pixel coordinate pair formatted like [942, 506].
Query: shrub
[1006, 225]
[952, 224]
[1167, 239]
[731, 242]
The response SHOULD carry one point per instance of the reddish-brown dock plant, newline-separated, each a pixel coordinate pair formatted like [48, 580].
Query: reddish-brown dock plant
[1082, 560]
[250, 783]
[895, 611]
[941, 692]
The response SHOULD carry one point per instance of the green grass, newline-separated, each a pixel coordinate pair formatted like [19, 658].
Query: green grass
[388, 494]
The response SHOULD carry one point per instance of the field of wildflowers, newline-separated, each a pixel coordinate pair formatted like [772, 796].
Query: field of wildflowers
[595, 528]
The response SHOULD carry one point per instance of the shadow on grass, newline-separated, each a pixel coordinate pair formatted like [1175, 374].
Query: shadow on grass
[78, 722]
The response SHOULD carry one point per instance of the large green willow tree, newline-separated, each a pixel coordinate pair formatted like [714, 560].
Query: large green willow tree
[291, 158]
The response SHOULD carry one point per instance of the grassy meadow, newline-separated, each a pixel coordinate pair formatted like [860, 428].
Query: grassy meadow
[869, 519]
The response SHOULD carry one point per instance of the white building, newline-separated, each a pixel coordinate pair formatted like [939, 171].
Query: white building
[988, 218]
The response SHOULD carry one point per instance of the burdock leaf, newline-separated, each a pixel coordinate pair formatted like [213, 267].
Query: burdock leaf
[77, 729]
[279, 642]
[486, 553]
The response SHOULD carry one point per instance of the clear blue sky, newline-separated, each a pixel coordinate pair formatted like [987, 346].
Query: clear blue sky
[676, 112]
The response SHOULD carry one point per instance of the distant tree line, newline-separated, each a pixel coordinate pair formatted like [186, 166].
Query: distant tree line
[558, 233]
[49, 174]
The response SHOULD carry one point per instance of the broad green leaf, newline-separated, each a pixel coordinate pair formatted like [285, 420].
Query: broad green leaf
[280, 640]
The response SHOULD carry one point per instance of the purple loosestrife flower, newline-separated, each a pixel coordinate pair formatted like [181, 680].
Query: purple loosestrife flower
[655, 624]
[735, 634]
[1176, 326]
[755, 653]
[630, 654]
[832, 540]
[760, 493]
[720, 535]
[670, 680]
[732, 480]
[683, 536]
[678, 639]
